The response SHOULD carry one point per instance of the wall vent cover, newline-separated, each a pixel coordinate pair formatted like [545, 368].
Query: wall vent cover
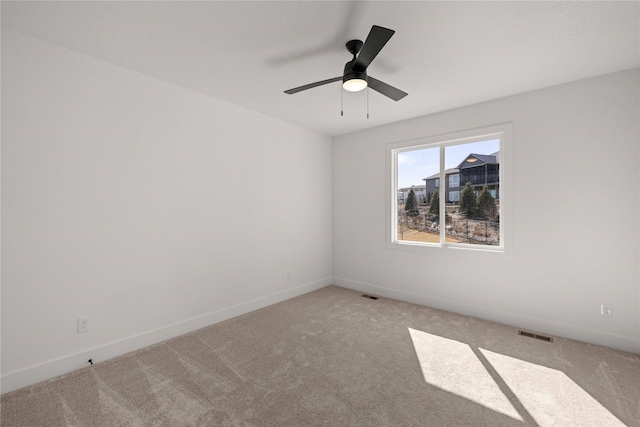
[536, 336]
[369, 296]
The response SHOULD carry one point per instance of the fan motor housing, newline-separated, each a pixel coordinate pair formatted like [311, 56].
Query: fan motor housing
[350, 73]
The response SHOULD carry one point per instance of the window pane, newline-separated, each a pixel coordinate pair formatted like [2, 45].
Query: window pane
[473, 207]
[418, 206]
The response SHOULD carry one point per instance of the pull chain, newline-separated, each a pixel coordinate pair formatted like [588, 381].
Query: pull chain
[342, 102]
[367, 101]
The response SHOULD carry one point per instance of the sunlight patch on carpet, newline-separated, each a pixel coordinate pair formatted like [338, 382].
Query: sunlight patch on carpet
[452, 366]
[541, 395]
[550, 396]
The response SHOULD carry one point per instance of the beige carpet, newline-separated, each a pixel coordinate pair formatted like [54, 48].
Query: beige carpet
[334, 358]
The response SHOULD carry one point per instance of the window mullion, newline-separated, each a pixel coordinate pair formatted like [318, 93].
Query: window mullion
[443, 195]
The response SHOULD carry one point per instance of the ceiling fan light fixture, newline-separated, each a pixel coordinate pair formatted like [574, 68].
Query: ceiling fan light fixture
[354, 85]
[354, 78]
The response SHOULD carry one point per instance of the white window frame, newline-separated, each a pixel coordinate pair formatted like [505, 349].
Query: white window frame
[454, 175]
[502, 132]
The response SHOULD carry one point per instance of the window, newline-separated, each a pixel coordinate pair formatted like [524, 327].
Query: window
[472, 211]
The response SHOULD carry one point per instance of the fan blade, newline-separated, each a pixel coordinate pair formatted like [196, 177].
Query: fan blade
[312, 85]
[377, 38]
[386, 90]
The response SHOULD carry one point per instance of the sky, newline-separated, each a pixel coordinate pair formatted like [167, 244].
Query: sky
[415, 165]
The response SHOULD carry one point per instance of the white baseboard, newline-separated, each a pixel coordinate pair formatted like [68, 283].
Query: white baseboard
[577, 333]
[63, 365]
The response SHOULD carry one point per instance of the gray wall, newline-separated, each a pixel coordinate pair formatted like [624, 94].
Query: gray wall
[575, 235]
[122, 200]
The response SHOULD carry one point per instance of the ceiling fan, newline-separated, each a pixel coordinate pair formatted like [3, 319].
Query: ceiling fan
[355, 76]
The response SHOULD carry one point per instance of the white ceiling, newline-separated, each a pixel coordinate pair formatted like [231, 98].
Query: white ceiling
[444, 54]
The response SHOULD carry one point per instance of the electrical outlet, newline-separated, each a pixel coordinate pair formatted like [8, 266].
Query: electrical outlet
[606, 310]
[84, 324]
